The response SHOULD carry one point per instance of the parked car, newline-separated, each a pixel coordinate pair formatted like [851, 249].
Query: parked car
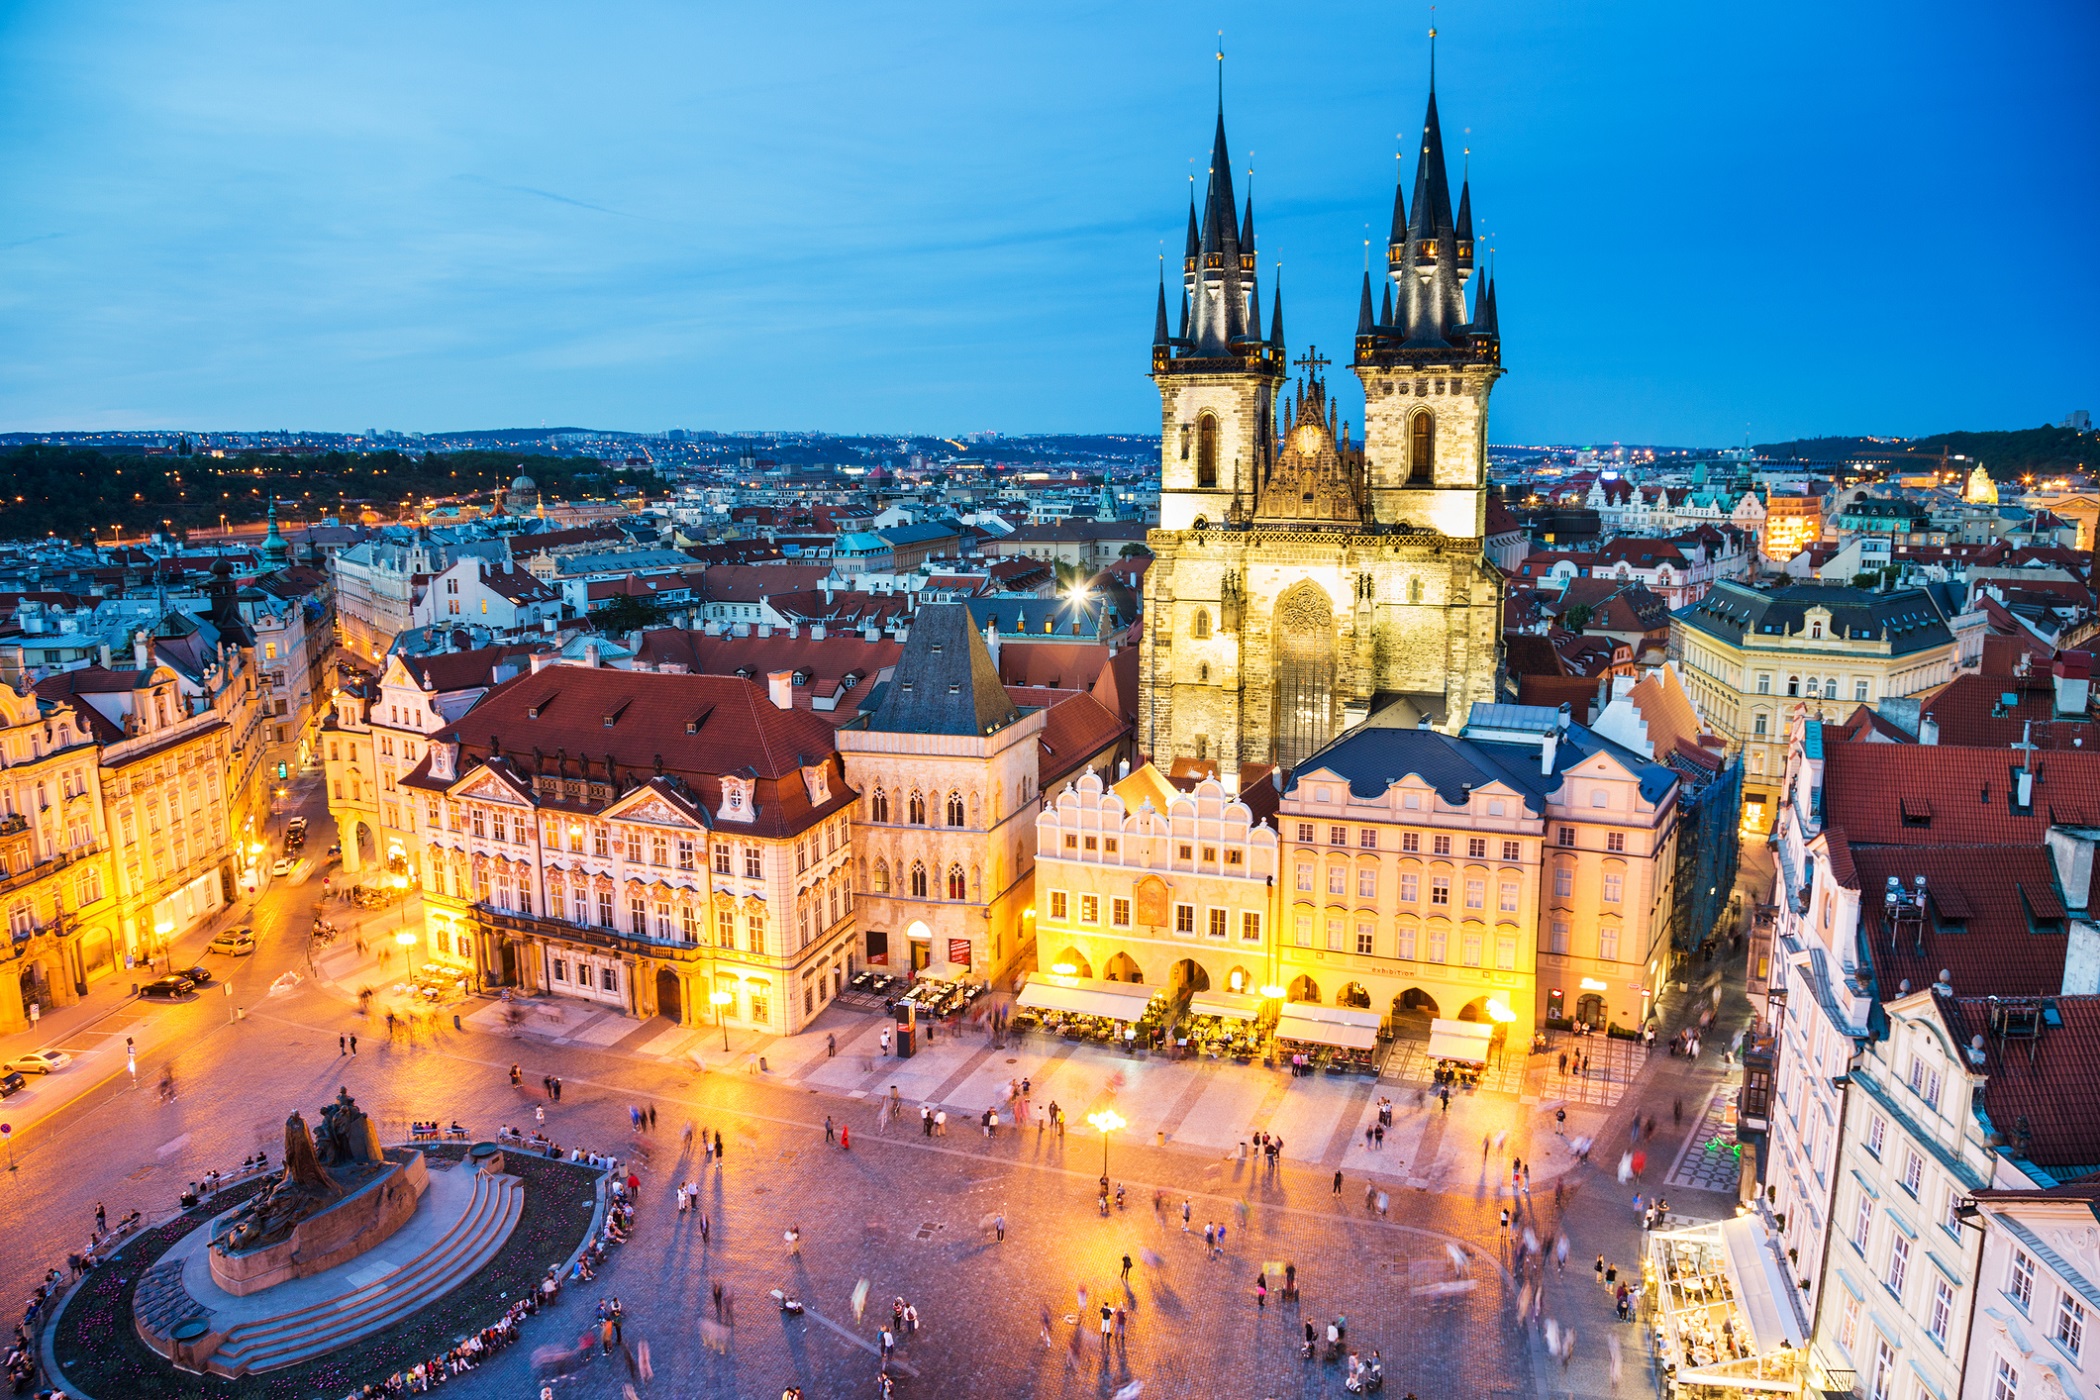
[296, 827]
[235, 942]
[11, 1083]
[201, 976]
[168, 988]
[283, 865]
[40, 1061]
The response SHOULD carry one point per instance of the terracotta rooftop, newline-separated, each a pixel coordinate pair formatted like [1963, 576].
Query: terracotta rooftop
[697, 728]
[2039, 1091]
[1995, 920]
[1920, 795]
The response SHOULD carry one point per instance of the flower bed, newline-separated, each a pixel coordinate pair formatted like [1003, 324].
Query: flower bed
[101, 1355]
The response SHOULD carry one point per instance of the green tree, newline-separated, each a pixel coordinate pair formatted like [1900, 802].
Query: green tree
[1576, 618]
[629, 613]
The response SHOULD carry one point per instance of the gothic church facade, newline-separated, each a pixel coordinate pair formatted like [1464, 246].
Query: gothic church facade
[1300, 579]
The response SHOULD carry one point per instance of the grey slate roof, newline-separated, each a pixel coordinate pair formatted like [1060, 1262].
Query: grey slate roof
[945, 682]
[1731, 612]
[1374, 755]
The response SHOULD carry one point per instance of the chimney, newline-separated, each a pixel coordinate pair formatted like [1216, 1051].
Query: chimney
[1567, 716]
[765, 629]
[1549, 749]
[2023, 787]
[105, 656]
[590, 654]
[541, 660]
[2072, 676]
[547, 625]
[1928, 730]
[780, 686]
[138, 651]
[816, 631]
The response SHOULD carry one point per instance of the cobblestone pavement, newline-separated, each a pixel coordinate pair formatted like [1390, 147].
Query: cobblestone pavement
[1709, 1159]
[910, 1214]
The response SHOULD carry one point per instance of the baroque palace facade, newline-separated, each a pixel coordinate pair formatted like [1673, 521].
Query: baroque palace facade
[1301, 580]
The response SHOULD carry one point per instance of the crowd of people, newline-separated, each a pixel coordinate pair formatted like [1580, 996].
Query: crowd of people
[470, 1351]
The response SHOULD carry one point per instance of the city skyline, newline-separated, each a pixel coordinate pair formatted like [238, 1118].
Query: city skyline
[234, 218]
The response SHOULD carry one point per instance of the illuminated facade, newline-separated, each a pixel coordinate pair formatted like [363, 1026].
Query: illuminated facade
[1298, 574]
[1791, 524]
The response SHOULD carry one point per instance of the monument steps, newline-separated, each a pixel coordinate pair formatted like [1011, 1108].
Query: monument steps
[285, 1340]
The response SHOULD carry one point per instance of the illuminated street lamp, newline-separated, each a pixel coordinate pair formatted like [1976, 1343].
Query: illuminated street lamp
[407, 939]
[1107, 1120]
[721, 1000]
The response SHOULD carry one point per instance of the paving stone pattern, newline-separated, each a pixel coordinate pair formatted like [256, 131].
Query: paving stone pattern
[1710, 1161]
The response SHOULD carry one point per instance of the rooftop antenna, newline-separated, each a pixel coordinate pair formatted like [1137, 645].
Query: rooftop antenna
[1221, 72]
[1432, 51]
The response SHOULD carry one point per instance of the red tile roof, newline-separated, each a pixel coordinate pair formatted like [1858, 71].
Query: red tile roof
[1969, 791]
[464, 670]
[1995, 920]
[1969, 712]
[697, 728]
[2039, 1093]
[1077, 728]
[825, 663]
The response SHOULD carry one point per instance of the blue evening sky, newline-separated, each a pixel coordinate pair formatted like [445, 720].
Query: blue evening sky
[1711, 219]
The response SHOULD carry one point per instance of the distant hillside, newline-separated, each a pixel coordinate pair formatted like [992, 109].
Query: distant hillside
[74, 492]
[2006, 455]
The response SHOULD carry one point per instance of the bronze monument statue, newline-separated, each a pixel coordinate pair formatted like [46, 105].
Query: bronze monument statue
[319, 1210]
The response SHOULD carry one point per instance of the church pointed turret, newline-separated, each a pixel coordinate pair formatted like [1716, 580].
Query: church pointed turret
[1276, 317]
[275, 550]
[1385, 313]
[1463, 234]
[1364, 324]
[1485, 319]
[1161, 340]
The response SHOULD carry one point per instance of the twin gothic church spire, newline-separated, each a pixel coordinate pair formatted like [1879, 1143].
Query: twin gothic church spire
[1220, 287]
[1430, 265]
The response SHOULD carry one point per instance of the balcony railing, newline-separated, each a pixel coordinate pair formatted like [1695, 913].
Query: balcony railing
[541, 927]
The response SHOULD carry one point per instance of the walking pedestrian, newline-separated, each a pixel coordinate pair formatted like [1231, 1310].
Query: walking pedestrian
[652, 1118]
[1126, 1268]
[1337, 1181]
[342, 1045]
[353, 1047]
[718, 1138]
[1184, 1215]
[999, 1225]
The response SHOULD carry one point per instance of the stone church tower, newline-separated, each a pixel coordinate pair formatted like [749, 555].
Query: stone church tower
[1301, 581]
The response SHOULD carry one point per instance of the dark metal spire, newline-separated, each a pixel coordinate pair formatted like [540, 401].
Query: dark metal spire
[1364, 323]
[1160, 338]
[1276, 313]
[1464, 230]
[1385, 312]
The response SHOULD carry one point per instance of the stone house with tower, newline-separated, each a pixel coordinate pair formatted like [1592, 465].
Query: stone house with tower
[1302, 579]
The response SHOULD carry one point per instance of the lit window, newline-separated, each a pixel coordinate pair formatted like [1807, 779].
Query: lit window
[1476, 894]
[1250, 928]
[1614, 885]
[1367, 882]
[1337, 879]
[1507, 899]
[1410, 888]
[1057, 904]
[1217, 922]
[1305, 877]
[1090, 909]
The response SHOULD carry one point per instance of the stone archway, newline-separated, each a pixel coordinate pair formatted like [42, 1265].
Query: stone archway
[1071, 963]
[1188, 975]
[1123, 968]
[670, 1001]
[1356, 995]
[1304, 650]
[1242, 981]
[1303, 989]
[1415, 1004]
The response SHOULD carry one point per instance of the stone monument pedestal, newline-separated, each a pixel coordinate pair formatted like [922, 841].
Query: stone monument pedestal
[342, 1231]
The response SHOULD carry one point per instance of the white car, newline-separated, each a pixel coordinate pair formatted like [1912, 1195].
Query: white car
[40, 1061]
[283, 865]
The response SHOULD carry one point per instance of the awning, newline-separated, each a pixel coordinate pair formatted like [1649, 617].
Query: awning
[1466, 1041]
[1087, 996]
[1762, 1288]
[1237, 1005]
[1336, 1015]
[1292, 1026]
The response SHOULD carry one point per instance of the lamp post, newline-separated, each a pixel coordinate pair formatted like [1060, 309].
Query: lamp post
[1107, 1120]
[407, 939]
[721, 1000]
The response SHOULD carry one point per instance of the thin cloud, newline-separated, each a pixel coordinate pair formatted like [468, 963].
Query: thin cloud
[547, 194]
